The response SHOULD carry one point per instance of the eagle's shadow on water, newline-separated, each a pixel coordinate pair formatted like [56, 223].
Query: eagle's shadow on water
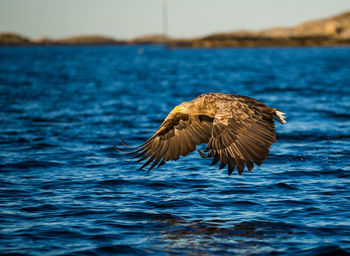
[223, 237]
[205, 237]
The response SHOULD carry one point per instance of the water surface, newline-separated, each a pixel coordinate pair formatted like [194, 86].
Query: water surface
[65, 191]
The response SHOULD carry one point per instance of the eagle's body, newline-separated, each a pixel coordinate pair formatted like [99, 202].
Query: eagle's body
[238, 131]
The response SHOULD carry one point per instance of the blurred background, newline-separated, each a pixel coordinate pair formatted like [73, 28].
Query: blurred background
[77, 76]
[129, 19]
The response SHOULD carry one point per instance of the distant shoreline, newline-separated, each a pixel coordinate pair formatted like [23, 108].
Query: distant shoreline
[328, 32]
[345, 46]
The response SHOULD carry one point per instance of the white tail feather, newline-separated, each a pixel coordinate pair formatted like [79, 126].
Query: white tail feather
[279, 116]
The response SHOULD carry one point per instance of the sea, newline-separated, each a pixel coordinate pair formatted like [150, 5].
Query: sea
[64, 189]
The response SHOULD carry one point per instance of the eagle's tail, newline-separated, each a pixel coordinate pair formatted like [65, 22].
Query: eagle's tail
[279, 116]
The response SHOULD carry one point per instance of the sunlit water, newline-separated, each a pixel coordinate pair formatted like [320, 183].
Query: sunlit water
[64, 190]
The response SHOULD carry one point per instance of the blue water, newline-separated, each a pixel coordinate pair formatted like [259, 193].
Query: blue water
[64, 190]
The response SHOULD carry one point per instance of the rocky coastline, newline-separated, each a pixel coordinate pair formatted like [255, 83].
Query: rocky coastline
[333, 31]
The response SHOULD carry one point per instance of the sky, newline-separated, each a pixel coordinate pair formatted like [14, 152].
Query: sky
[126, 19]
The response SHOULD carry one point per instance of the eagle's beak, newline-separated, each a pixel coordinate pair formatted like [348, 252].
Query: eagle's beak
[177, 109]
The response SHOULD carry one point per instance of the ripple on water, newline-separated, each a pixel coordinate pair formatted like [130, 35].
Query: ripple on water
[64, 190]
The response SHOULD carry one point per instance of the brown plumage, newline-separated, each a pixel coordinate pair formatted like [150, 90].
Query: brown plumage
[238, 131]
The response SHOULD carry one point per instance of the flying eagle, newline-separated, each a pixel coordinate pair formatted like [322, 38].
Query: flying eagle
[238, 130]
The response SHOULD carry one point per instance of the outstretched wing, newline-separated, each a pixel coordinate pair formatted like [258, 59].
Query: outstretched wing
[178, 135]
[242, 134]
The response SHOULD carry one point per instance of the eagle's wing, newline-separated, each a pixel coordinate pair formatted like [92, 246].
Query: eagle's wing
[242, 134]
[178, 135]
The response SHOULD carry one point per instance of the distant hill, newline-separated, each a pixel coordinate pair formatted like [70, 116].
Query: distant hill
[151, 39]
[13, 39]
[331, 31]
[323, 32]
[88, 40]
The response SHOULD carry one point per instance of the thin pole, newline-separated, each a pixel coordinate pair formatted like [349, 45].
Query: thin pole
[165, 20]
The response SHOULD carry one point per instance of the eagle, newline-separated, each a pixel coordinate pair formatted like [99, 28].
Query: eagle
[238, 131]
